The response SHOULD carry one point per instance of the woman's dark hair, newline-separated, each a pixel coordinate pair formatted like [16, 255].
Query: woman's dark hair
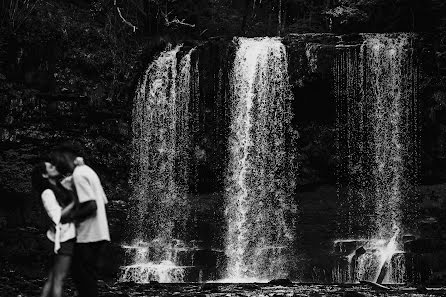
[38, 182]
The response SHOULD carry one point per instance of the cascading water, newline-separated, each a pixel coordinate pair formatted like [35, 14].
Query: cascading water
[259, 181]
[160, 170]
[375, 87]
[390, 79]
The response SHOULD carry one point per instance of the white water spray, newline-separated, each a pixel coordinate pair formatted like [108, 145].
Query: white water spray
[259, 181]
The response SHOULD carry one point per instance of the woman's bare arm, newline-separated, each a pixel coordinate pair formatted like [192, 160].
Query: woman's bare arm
[69, 208]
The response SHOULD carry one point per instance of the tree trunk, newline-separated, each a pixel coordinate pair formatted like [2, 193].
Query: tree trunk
[279, 14]
[247, 11]
[270, 30]
[150, 17]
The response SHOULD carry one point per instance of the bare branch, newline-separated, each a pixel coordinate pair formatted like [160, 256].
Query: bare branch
[123, 19]
[175, 21]
[204, 31]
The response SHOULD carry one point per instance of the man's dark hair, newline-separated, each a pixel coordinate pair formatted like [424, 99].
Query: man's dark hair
[70, 147]
[63, 157]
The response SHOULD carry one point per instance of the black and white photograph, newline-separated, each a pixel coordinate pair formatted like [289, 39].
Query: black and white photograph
[222, 148]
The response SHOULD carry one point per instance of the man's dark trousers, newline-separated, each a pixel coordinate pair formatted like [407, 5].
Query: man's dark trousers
[85, 267]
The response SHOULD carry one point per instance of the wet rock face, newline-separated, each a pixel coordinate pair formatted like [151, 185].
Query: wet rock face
[310, 61]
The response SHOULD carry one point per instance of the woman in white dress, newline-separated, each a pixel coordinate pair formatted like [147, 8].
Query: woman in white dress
[58, 202]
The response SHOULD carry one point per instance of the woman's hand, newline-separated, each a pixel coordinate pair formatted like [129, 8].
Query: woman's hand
[67, 212]
[67, 183]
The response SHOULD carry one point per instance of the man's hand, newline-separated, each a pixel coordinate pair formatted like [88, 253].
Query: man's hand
[84, 211]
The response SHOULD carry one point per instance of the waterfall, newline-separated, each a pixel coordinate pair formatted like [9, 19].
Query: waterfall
[389, 78]
[161, 144]
[259, 178]
[377, 124]
[375, 86]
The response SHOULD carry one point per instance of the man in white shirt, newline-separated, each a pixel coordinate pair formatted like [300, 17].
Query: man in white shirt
[90, 217]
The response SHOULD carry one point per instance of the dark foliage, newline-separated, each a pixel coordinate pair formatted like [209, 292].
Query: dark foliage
[206, 18]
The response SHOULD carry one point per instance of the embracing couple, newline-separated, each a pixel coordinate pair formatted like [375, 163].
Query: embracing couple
[74, 200]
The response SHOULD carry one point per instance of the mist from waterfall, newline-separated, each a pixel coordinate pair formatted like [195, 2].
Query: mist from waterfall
[161, 144]
[375, 87]
[260, 174]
